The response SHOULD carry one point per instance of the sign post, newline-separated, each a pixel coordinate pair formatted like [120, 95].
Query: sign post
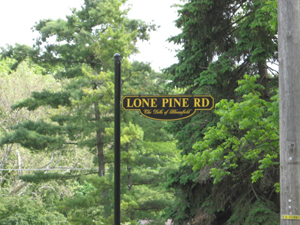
[117, 138]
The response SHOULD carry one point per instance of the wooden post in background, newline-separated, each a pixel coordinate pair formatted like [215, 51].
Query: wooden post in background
[289, 98]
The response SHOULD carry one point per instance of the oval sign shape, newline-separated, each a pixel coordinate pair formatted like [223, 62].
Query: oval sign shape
[168, 107]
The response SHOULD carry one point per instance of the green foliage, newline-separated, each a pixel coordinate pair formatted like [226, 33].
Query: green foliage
[234, 147]
[90, 203]
[235, 163]
[41, 177]
[222, 40]
[271, 8]
[27, 211]
[45, 97]
[19, 53]
[32, 140]
[245, 134]
[131, 133]
[148, 163]
[5, 66]
[261, 212]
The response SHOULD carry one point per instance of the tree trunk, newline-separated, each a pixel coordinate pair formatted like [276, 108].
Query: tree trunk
[263, 73]
[100, 154]
[19, 163]
[129, 176]
[8, 149]
[100, 146]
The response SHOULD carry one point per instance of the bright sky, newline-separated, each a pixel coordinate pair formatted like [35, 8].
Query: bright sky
[18, 16]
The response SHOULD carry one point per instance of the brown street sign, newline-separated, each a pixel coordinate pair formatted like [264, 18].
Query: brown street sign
[168, 107]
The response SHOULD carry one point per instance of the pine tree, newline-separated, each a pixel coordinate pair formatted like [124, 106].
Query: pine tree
[81, 57]
[222, 41]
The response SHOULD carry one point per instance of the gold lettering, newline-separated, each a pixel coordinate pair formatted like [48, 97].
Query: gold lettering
[128, 103]
[203, 102]
[197, 102]
[147, 111]
[164, 101]
[145, 102]
[178, 102]
[171, 102]
[185, 102]
[153, 102]
[158, 111]
[135, 103]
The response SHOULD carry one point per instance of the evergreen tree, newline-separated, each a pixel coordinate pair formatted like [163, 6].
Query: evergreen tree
[81, 57]
[222, 41]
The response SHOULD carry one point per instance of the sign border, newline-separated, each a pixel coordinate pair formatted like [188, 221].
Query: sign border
[161, 96]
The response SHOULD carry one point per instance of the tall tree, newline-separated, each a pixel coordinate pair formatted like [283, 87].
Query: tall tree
[81, 57]
[221, 41]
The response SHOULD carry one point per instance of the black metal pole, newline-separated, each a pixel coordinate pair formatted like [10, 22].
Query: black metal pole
[117, 137]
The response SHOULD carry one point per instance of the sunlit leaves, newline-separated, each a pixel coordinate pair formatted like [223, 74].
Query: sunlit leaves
[247, 133]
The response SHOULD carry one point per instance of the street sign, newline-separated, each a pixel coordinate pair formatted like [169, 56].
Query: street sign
[168, 107]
